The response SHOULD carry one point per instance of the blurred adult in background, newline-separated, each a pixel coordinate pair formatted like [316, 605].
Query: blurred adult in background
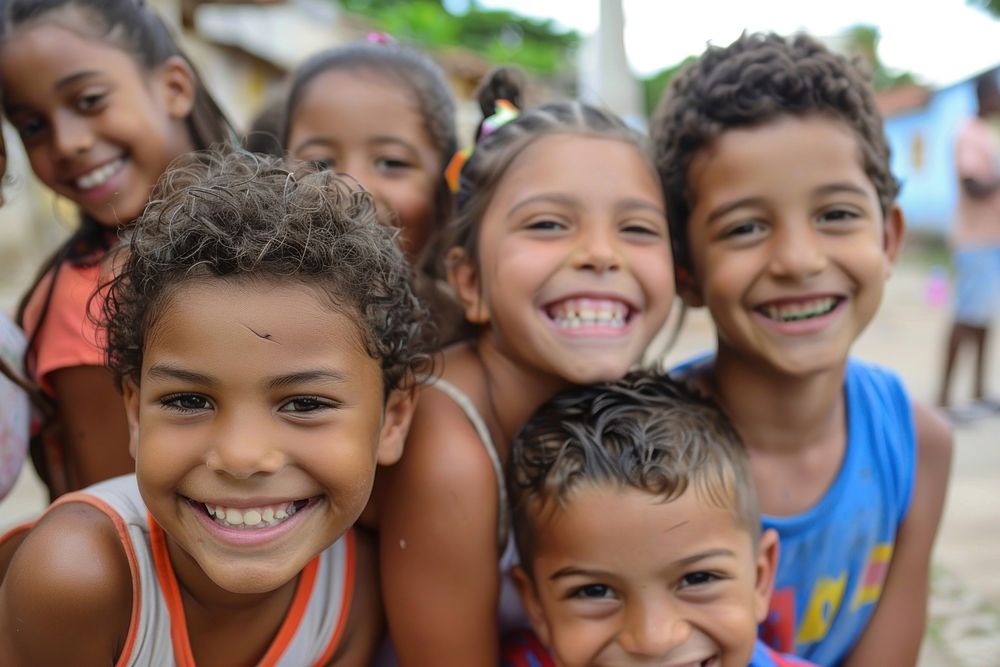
[976, 247]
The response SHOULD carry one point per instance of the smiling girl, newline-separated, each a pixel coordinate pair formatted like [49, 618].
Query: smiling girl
[560, 258]
[103, 100]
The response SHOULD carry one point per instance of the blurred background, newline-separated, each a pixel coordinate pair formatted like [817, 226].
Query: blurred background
[617, 53]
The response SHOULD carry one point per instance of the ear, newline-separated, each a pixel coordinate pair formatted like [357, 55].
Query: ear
[687, 287]
[130, 394]
[767, 566]
[463, 276]
[178, 86]
[893, 233]
[396, 418]
[532, 605]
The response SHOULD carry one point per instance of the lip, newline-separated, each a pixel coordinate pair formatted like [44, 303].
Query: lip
[103, 191]
[800, 327]
[242, 537]
[593, 330]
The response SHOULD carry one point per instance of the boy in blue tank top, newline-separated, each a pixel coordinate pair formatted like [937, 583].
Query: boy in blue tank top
[783, 216]
[638, 533]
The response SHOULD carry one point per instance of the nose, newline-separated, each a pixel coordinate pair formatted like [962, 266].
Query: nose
[797, 251]
[72, 135]
[243, 446]
[597, 249]
[653, 629]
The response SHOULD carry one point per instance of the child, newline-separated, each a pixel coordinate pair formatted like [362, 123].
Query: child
[782, 214]
[638, 531]
[384, 114]
[14, 390]
[566, 273]
[103, 100]
[267, 337]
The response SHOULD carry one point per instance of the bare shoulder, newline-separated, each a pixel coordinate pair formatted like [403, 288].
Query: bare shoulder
[364, 623]
[58, 606]
[934, 440]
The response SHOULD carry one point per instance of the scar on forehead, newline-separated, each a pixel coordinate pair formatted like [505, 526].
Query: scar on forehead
[265, 336]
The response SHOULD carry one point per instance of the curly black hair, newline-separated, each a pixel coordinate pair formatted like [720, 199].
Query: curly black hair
[646, 432]
[242, 215]
[754, 80]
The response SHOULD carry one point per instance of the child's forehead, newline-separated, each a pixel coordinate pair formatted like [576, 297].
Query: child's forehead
[609, 512]
[784, 144]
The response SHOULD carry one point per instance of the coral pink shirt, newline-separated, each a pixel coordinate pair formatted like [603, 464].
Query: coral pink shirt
[68, 336]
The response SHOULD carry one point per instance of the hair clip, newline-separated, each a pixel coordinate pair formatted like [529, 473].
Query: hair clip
[504, 112]
[379, 38]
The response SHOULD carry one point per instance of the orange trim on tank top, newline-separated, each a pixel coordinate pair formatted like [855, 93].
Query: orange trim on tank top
[133, 564]
[175, 606]
[345, 602]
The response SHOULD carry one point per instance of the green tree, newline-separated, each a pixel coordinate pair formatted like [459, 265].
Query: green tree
[991, 6]
[500, 35]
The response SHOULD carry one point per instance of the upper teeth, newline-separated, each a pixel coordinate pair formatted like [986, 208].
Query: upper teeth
[99, 176]
[252, 517]
[800, 311]
[574, 313]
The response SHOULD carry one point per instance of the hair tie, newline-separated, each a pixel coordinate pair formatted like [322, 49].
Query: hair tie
[379, 38]
[504, 111]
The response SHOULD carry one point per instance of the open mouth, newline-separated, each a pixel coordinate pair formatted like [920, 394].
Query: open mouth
[579, 313]
[99, 176]
[799, 310]
[251, 518]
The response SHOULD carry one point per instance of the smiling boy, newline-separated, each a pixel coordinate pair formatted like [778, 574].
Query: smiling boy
[267, 337]
[782, 211]
[638, 532]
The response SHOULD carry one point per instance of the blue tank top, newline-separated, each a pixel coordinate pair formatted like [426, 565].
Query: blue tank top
[835, 555]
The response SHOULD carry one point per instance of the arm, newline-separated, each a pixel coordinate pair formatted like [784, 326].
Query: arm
[364, 622]
[438, 544]
[896, 629]
[57, 608]
[92, 424]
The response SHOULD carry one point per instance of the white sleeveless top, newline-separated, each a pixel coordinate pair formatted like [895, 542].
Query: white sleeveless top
[510, 612]
[158, 634]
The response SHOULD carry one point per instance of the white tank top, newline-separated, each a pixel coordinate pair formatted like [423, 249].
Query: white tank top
[158, 634]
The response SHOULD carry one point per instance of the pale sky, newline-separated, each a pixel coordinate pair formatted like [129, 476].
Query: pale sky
[942, 41]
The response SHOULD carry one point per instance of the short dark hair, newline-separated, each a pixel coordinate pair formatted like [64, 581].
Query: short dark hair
[753, 81]
[241, 215]
[646, 432]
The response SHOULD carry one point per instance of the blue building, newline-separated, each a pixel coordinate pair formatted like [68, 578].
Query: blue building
[922, 136]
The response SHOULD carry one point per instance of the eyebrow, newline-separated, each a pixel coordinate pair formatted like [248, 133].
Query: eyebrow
[550, 197]
[389, 139]
[315, 141]
[168, 372]
[830, 188]
[317, 375]
[75, 77]
[572, 571]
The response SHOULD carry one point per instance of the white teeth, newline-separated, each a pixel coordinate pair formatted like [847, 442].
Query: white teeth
[254, 517]
[575, 313]
[99, 176]
[800, 311]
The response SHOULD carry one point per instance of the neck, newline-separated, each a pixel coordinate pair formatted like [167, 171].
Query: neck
[515, 390]
[775, 412]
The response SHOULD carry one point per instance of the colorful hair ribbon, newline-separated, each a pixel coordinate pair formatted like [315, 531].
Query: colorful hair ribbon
[503, 112]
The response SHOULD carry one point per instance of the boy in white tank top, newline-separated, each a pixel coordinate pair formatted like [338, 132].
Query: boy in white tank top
[267, 340]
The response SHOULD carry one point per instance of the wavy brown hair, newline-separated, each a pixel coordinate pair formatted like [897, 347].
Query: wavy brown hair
[644, 432]
[753, 81]
[245, 216]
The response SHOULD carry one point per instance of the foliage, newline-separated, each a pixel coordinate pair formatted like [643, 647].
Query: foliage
[991, 6]
[861, 41]
[653, 86]
[500, 35]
